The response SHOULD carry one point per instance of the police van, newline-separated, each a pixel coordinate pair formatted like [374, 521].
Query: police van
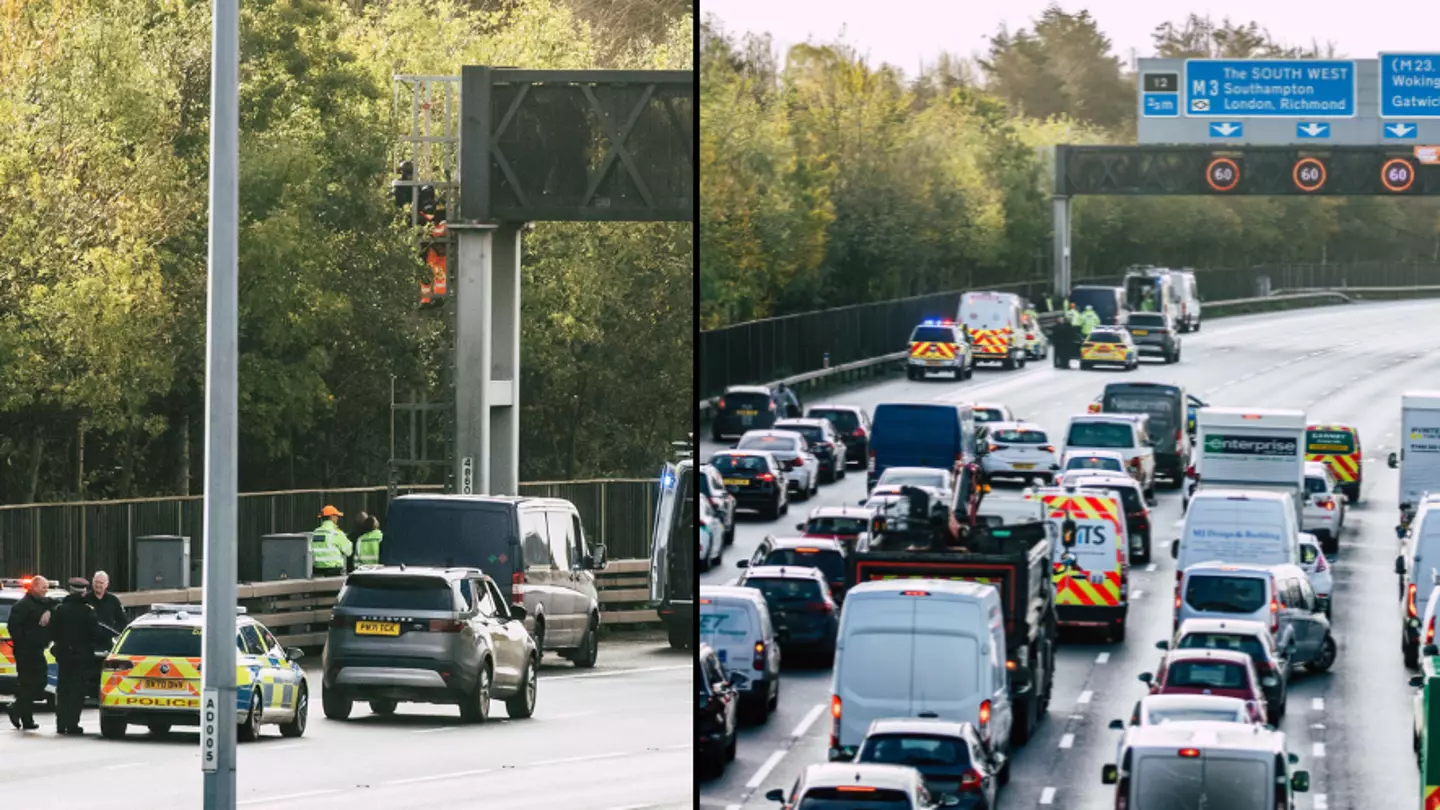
[152, 676]
[997, 331]
[937, 345]
[1091, 557]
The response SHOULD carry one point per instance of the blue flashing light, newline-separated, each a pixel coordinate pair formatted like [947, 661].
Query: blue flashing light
[667, 479]
[938, 322]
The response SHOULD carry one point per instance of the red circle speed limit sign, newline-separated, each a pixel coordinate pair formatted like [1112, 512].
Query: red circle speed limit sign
[1397, 175]
[1309, 174]
[1223, 174]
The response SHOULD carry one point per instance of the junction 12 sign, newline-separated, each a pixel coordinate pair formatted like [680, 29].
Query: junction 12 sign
[1279, 88]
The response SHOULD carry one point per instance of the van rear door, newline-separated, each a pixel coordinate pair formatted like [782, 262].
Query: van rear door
[1209, 781]
[915, 435]
[730, 627]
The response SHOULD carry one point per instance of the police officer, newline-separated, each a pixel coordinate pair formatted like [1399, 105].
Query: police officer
[29, 636]
[1063, 338]
[1147, 301]
[76, 630]
[367, 545]
[330, 548]
[1088, 320]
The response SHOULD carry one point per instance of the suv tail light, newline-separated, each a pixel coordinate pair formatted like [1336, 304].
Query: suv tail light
[820, 607]
[1410, 601]
[772, 406]
[342, 621]
[759, 662]
[1328, 504]
[721, 403]
[517, 594]
[859, 433]
[446, 625]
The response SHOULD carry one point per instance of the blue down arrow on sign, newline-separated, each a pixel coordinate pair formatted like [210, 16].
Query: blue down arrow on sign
[1227, 129]
[1312, 129]
[1400, 129]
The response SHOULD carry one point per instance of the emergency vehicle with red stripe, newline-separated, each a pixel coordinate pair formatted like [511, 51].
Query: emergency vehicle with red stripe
[996, 327]
[1091, 558]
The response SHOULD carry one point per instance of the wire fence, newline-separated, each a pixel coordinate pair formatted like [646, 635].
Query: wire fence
[62, 540]
[775, 348]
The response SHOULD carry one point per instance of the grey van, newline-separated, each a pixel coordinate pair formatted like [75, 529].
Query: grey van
[1278, 596]
[536, 545]
[1166, 406]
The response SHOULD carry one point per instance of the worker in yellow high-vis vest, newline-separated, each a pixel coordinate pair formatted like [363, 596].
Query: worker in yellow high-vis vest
[329, 547]
[367, 545]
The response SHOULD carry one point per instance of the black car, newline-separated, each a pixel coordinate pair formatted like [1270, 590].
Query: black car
[824, 442]
[756, 480]
[743, 408]
[852, 423]
[1155, 335]
[804, 552]
[951, 758]
[715, 712]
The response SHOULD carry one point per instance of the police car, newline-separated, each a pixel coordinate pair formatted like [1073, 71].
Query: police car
[937, 345]
[152, 676]
[1109, 345]
[11, 592]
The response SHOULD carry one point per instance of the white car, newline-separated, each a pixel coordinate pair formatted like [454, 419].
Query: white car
[1019, 450]
[712, 537]
[801, 467]
[1324, 506]
[1125, 433]
[1153, 710]
[882, 499]
[931, 478]
[987, 412]
[1312, 559]
[1089, 461]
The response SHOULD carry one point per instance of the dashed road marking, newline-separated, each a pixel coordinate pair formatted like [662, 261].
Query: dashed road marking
[809, 719]
[1067, 741]
[1321, 802]
[1138, 593]
[1152, 566]
[1317, 750]
[434, 777]
[290, 796]
[434, 730]
[1047, 796]
[765, 769]
[1085, 696]
[1102, 658]
[1318, 704]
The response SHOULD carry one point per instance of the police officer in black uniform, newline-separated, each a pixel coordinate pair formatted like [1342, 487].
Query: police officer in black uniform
[76, 630]
[29, 626]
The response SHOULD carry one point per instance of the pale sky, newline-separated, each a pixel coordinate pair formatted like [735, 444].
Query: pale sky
[905, 32]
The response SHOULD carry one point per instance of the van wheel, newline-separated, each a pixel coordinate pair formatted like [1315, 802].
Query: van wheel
[584, 656]
[1326, 660]
[680, 635]
[1023, 725]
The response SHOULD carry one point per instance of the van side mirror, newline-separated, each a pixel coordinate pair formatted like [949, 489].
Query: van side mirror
[1392, 461]
[1117, 725]
[1145, 677]
[775, 795]
[1175, 548]
[1109, 774]
[1400, 534]
[1400, 564]
[742, 563]
[1162, 645]
[595, 560]
[518, 612]
[1417, 681]
[1300, 782]
[800, 527]
[1293, 759]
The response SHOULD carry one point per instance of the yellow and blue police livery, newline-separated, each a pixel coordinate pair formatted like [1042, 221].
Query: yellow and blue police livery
[152, 676]
[11, 592]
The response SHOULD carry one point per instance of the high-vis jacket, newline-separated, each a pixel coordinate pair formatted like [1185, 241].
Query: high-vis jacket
[367, 548]
[1088, 321]
[329, 546]
[1072, 316]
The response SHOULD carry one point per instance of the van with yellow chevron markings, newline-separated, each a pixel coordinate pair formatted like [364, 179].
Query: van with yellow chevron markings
[1091, 558]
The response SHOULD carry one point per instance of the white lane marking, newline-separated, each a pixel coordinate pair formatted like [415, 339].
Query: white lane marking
[732, 807]
[1152, 566]
[434, 777]
[616, 672]
[1321, 802]
[585, 758]
[810, 717]
[1318, 704]
[433, 730]
[1085, 696]
[1102, 658]
[1067, 741]
[288, 797]
[765, 770]
[1317, 750]
[121, 765]
[1047, 796]
[1138, 593]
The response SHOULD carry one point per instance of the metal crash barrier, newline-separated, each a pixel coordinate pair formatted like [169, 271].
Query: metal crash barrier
[293, 608]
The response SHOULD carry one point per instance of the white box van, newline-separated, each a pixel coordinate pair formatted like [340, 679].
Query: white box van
[1238, 526]
[1206, 766]
[920, 648]
[1418, 566]
[1252, 448]
[1419, 459]
[735, 622]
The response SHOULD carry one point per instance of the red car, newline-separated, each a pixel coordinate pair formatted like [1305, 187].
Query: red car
[1227, 673]
[843, 523]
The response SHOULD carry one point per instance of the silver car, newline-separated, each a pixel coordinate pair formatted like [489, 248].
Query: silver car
[428, 635]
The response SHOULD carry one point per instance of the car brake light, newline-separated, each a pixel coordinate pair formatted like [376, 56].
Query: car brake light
[855, 789]
[722, 403]
[1410, 601]
[759, 662]
[1190, 472]
[1179, 435]
[914, 593]
[517, 594]
[995, 447]
[1430, 631]
[767, 477]
[1329, 505]
[772, 406]
[970, 781]
[858, 432]
[820, 607]
[1274, 616]
[1189, 753]
[118, 665]
[446, 625]
[835, 706]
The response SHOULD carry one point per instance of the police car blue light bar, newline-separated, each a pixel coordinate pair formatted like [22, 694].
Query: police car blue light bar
[938, 322]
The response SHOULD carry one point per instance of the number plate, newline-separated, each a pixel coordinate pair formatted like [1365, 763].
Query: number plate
[934, 362]
[737, 482]
[1023, 466]
[746, 413]
[171, 684]
[1139, 331]
[377, 628]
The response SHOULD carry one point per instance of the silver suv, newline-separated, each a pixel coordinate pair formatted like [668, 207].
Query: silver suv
[428, 635]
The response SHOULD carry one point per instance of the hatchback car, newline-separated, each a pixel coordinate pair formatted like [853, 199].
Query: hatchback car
[823, 441]
[852, 424]
[1249, 637]
[756, 479]
[722, 503]
[1086, 460]
[1019, 450]
[1112, 347]
[428, 635]
[744, 408]
[931, 478]
[987, 412]
[846, 524]
[1313, 560]
[1156, 335]
[800, 604]
[826, 555]
[1324, 506]
[1210, 672]
[802, 467]
[950, 756]
[716, 713]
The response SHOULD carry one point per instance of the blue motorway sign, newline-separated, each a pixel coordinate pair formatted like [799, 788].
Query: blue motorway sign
[1409, 85]
[1160, 105]
[1269, 88]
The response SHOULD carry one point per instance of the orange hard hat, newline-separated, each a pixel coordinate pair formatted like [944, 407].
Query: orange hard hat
[330, 511]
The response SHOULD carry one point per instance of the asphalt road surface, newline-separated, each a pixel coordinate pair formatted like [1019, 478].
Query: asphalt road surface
[616, 736]
[1351, 727]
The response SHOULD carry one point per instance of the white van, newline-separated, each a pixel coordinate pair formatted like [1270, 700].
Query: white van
[1252, 448]
[993, 321]
[735, 622]
[1187, 289]
[921, 647]
[1206, 766]
[1419, 458]
[1236, 526]
[1418, 566]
